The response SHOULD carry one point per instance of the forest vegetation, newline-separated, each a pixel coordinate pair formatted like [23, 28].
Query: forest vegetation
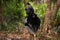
[12, 19]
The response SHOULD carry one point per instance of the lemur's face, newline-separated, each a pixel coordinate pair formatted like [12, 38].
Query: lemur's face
[29, 11]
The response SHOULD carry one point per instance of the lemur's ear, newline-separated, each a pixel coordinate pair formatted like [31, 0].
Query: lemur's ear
[25, 9]
[28, 3]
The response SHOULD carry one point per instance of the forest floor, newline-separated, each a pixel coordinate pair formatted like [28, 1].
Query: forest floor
[24, 36]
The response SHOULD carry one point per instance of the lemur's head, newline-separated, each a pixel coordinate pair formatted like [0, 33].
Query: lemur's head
[28, 3]
[29, 9]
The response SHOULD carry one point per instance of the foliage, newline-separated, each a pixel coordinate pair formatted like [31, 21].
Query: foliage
[13, 13]
[58, 15]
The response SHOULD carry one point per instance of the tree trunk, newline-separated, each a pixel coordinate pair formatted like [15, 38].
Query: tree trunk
[50, 16]
[54, 11]
[47, 21]
[1, 21]
[37, 2]
[25, 3]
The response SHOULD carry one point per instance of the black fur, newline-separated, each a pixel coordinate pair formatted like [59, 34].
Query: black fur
[32, 21]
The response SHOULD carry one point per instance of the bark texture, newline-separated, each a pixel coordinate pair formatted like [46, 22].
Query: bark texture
[50, 16]
[1, 15]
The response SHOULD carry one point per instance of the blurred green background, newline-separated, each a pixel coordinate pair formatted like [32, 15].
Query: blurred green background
[14, 13]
